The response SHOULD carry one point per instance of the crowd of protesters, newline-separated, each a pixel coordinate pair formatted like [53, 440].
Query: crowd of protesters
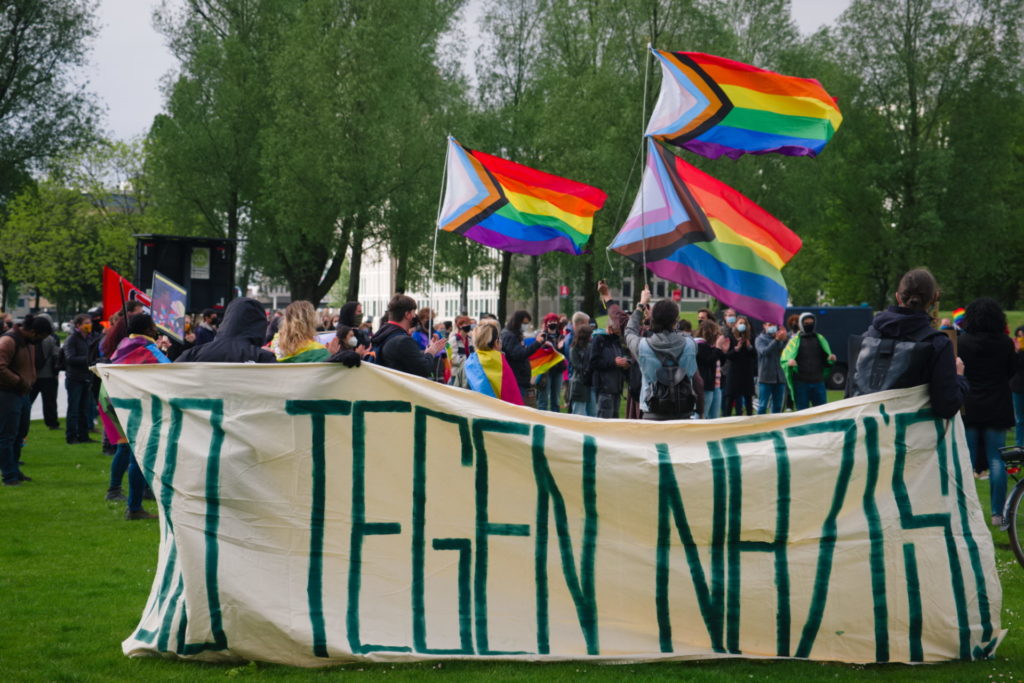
[648, 363]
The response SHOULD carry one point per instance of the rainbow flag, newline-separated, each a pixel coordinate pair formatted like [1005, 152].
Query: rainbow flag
[543, 359]
[699, 232]
[489, 373]
[958, 317]
[511, 207]
[714, 106]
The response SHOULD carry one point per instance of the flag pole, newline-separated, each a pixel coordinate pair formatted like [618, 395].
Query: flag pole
[437, 228]
[643, 160]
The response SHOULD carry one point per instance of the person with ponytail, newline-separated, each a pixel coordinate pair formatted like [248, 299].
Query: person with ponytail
[912, 320]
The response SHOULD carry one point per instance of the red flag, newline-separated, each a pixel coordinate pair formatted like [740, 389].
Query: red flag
[114, 287]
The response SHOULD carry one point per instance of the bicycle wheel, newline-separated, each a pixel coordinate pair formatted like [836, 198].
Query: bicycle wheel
[1015, 521]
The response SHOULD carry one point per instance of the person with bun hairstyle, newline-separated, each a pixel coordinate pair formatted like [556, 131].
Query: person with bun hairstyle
[916, 295]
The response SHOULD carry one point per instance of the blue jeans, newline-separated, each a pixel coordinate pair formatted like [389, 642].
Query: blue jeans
[76, 426]
[775, 394]
[712, 403]
[14, 418]
[988, 441]
[807, 394]
[1018, 412]
[124, 459]
[548, 389]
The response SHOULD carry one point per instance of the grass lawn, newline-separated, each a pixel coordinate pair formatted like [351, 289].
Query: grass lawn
[74, 578]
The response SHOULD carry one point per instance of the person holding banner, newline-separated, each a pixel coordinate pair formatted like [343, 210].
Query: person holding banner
[295, 341]
[238, 339]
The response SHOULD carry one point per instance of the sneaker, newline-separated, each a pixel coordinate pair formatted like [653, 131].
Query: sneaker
[12, 482]
[23, 477]
[138, 514]
[983, 475]
[997, 521]
[114, 495]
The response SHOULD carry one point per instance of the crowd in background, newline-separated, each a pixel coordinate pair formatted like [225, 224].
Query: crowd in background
[648, 363]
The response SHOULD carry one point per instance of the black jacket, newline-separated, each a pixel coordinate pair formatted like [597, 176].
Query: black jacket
[946, 389]
[606, 376]
[397, 350]
[238, 337]
[347, 317]
[741, 369]
[517, 353]
[708, 357]
[988, 365]
[76, 357]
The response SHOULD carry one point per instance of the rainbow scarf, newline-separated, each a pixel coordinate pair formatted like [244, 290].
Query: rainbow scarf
[543, 359]
[699, 232]
[511, 207]
[489, 373]
[714, 106]
[310, 352]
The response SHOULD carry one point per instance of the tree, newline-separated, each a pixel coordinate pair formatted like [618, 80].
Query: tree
[41, 111]
[58, 241]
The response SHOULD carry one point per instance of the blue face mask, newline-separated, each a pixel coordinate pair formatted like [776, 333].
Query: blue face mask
[741, 328]
[730, 319]
[771, 329]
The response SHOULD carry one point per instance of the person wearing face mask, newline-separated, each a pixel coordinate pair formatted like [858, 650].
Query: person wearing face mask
[346, 349]
[351, 315]
[517, 349]
[78, 380]
[771, 381]
[741, 364]
[207, 329]
[609, 363]
[806, 360]
[395, 348]
[460, 341]
[549, 385]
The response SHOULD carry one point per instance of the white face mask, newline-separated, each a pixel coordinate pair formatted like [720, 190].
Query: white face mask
[730, 319]
[524, 328]
[741, 328]
[771, 329]
[352, 342]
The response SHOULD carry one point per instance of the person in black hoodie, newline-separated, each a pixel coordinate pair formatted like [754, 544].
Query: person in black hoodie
[351, 315]
[394, 347]
[609, 364]
[988, 358]
[238, 337]
[917, 293]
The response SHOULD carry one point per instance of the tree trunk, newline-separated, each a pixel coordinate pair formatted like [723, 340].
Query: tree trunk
[535, 302]
[638, 279]
[464, 296]
[589, 289]
[5, 285]
[506, 272]
[355, 266]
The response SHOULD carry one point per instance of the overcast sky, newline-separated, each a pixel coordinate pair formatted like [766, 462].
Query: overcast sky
[130, 59]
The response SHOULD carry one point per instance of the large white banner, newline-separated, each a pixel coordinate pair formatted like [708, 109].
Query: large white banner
[312, 514]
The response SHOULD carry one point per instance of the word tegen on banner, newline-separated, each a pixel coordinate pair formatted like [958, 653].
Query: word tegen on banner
[313, 514]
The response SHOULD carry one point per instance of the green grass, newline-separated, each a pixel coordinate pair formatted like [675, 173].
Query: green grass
[74, 578]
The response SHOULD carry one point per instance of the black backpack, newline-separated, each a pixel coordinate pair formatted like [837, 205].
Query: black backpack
[671, 392]
[880, 364]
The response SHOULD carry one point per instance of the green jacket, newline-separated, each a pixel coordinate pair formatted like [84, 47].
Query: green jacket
[789, 353]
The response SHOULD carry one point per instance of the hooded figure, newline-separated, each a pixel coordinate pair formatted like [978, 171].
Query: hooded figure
[238, 339]
[348, 317]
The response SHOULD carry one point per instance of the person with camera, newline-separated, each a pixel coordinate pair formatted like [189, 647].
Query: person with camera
[549, 384]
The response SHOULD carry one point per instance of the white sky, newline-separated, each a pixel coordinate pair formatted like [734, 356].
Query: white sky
[129, 58]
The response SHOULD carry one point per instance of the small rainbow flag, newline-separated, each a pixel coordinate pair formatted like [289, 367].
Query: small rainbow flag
[699, 232]
[489, 373]
[511, 207]
[543, 359]
[714, 106]
[958, 317]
